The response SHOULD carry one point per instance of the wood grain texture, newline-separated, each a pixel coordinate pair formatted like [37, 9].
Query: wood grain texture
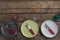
[30, 7]
[22, 17]
[37, 10]
[25, 0]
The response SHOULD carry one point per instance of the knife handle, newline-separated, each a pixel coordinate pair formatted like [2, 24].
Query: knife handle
[31, 31]
[51, 31]
[11, 31]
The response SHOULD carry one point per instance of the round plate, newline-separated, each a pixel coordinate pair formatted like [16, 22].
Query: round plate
[4, 28]
[25, 31]
[49, 28]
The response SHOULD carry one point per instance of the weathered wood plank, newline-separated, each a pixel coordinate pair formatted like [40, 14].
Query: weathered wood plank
[28, 10]
[30, 7]
[30, 4]
[25, 0]
[22, 17]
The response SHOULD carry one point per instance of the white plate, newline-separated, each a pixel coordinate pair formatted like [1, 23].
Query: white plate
[52, 25]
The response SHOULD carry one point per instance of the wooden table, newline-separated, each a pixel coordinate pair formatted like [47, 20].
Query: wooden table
[41, 10]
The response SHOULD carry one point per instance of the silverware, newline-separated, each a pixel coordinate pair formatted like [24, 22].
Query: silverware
[49, 29]
[29, 28]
